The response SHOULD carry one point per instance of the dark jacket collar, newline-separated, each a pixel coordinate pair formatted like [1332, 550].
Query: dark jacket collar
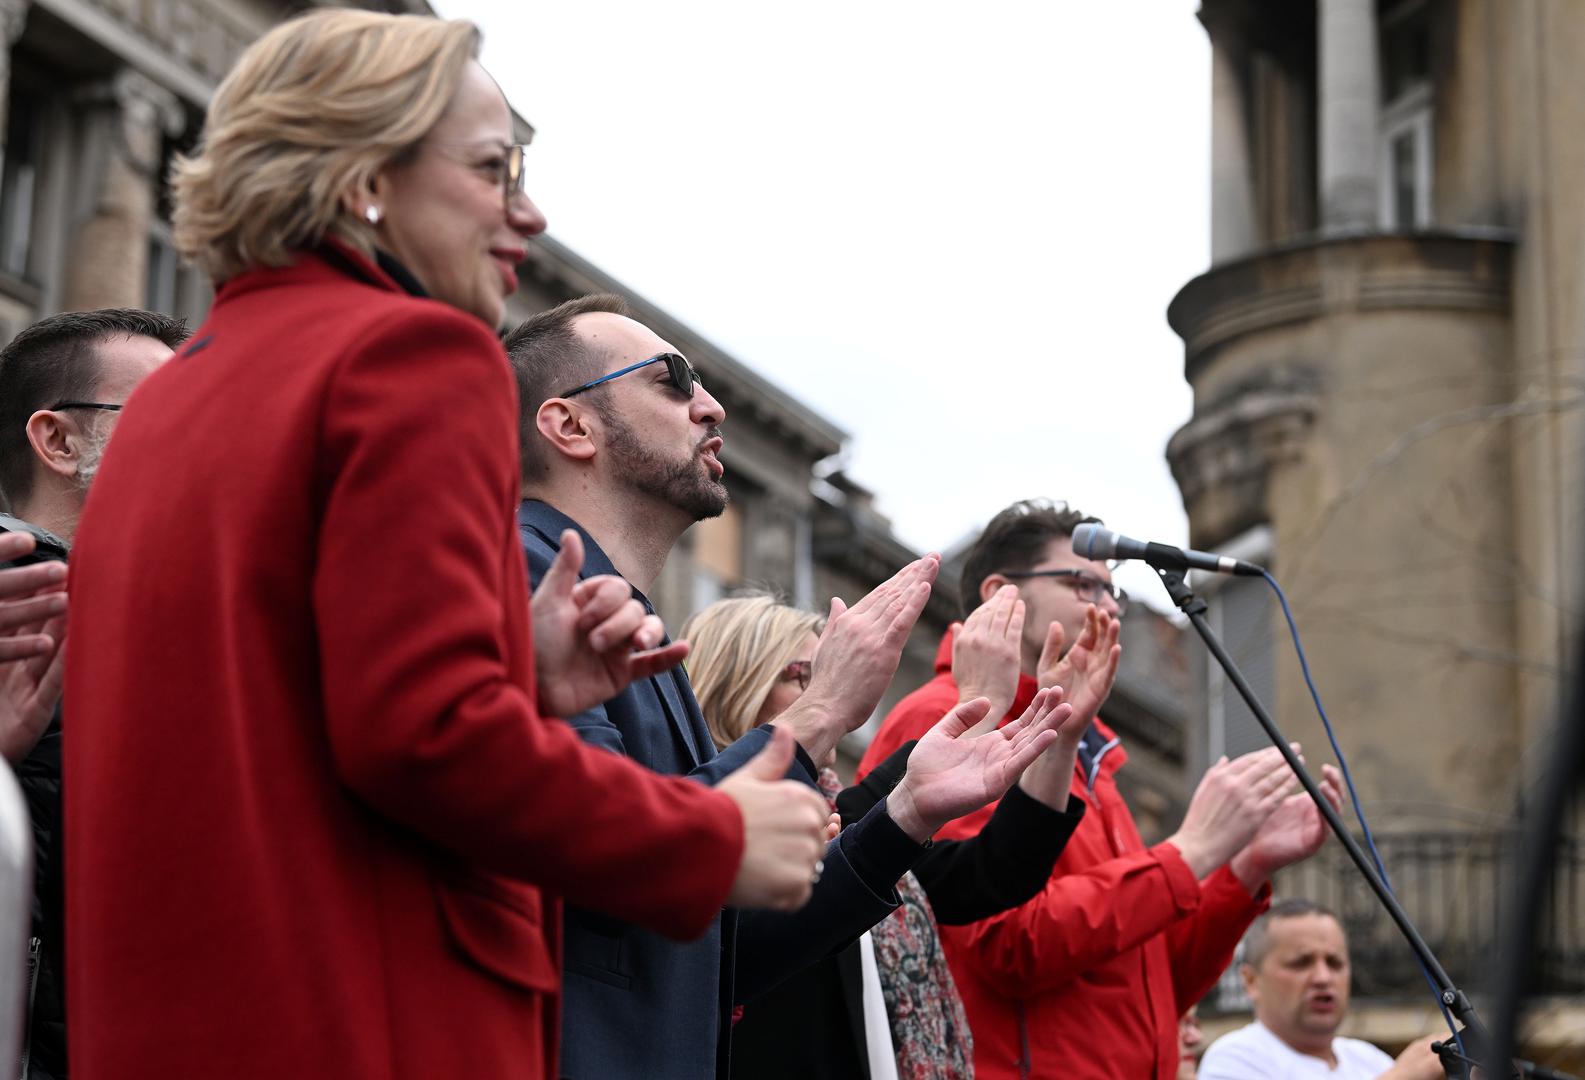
[399, 273]
[46, 544]
[550, 523]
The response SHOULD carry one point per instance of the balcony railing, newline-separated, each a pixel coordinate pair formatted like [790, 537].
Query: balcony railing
[1455, 887]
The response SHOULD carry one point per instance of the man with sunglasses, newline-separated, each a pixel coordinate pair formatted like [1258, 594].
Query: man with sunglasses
[63, 381]
[621, 442]
[1088, 979]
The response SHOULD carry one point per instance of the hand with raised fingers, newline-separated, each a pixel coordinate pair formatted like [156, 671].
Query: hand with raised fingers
[784, 830]
[1050, 778]
[591, 637]
[29, 595]
[857, 657]
[1088, 670]
[30, 688]
[987, 650]
[1231, 803]
[1295, 831]
[952, 772]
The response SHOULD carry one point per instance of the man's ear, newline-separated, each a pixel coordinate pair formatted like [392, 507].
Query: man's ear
[567, 428]
[989, 586]
[56, 441]
[1246, 972]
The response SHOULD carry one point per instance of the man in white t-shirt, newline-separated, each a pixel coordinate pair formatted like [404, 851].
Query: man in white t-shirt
[1296, 973]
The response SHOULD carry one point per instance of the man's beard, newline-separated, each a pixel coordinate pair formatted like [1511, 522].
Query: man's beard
[96, 439]
[686, 485]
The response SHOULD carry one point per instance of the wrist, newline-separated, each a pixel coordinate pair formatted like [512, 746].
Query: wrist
[903, 809]
[811, 727]
[1199, 861]
[1250, 873]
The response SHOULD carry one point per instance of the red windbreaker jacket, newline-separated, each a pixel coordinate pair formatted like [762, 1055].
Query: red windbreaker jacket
[1088, 979]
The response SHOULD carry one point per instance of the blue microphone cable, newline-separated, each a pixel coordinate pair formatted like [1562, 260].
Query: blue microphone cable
[1353, 795]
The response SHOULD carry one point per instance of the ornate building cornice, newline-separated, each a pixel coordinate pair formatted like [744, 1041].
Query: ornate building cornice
[1462, 270]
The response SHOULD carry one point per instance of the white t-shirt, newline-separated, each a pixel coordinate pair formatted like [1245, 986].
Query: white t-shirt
[1254, 1053]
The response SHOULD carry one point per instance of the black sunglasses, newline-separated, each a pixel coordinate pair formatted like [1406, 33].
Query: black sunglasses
[680, 373]
[59, 405]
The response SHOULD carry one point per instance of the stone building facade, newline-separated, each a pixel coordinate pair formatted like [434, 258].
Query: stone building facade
[1387, 357]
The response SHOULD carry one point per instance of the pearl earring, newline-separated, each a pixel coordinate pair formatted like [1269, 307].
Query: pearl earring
[372, 214]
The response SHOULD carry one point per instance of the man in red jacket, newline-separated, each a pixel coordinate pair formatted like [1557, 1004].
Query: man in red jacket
[1089, 978]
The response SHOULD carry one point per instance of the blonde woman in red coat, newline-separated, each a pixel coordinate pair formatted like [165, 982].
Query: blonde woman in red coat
[319, 825]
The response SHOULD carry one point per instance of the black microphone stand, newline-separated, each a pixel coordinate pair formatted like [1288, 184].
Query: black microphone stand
[1451, 996]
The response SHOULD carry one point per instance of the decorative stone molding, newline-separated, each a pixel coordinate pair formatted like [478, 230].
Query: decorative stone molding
[1232, 447]
[13, 18]
[203, 38]
[1453, 270]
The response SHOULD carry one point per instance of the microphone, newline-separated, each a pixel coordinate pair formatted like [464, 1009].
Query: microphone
[1094, 542]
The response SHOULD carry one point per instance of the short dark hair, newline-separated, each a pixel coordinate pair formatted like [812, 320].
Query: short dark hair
[1016, 539]
[1257, 939]
[57, 359]
[548, 358]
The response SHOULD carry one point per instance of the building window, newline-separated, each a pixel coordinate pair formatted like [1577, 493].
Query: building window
[1242, 613]
[170, 286]
[717, 557]
[1405, 152]
[19, 180]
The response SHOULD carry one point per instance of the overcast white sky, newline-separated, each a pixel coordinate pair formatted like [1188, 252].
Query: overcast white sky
[952, 229]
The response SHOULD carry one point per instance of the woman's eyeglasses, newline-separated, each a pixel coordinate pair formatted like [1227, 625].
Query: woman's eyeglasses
[505, 163]
[798, 671]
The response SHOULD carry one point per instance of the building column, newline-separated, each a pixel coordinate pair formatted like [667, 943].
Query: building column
[1233, 213]
[128, 119]
[1350, 106]
[13, 18]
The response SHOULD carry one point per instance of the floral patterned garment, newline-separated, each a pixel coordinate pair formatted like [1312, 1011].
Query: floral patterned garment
[930, 1032]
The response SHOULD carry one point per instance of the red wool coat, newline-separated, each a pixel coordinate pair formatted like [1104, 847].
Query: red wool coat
[316, 826]
[1087, 980]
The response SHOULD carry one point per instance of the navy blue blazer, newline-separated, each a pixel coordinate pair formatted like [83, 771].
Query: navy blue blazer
[636, 1004]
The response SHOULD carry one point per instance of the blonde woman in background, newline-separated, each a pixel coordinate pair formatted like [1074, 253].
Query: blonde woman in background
[885, 1008]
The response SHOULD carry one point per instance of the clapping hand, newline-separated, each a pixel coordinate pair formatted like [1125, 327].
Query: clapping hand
[952, 772]
[32, 636]
[592, 638]
[858, 655]
[1086, 671]
[1294, 831]
[987, 650]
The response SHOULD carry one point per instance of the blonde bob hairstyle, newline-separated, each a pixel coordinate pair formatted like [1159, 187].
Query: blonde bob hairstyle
[740, 648]
[311, 113]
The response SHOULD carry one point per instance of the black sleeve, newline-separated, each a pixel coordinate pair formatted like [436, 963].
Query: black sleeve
[1008, 863]
[854, 802]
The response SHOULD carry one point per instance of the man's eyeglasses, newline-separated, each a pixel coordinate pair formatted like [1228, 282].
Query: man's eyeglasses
[59, 405]
[1089, 587]
[679, 373]
[798, 671]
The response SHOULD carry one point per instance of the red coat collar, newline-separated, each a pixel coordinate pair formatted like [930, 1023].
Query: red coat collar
[333, 258]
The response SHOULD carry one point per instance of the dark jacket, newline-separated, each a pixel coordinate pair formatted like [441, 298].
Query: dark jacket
[638, 1005]
[813, 1024]
[39, 774]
